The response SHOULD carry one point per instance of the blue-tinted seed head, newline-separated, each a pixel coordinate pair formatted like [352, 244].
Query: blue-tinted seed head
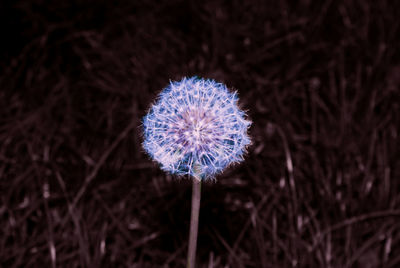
[196, 128]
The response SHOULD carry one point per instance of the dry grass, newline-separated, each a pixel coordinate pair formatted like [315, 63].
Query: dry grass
[319, 188]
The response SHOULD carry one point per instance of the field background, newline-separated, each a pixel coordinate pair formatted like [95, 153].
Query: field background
[320, 81]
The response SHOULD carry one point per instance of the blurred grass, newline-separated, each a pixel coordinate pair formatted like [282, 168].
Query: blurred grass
[320, 185]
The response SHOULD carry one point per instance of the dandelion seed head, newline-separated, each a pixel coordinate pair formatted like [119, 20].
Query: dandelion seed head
[196, 128]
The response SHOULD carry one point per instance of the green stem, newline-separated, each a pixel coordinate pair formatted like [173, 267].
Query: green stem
[194, 222]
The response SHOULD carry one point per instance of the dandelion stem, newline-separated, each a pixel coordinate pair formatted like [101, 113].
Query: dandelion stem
[194, 222]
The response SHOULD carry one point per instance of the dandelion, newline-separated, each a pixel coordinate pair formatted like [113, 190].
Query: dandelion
[196, 128]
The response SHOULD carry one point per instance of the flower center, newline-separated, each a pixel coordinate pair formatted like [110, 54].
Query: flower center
[196, 129]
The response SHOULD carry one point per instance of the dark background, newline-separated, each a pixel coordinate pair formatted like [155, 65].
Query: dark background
[319, 79]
